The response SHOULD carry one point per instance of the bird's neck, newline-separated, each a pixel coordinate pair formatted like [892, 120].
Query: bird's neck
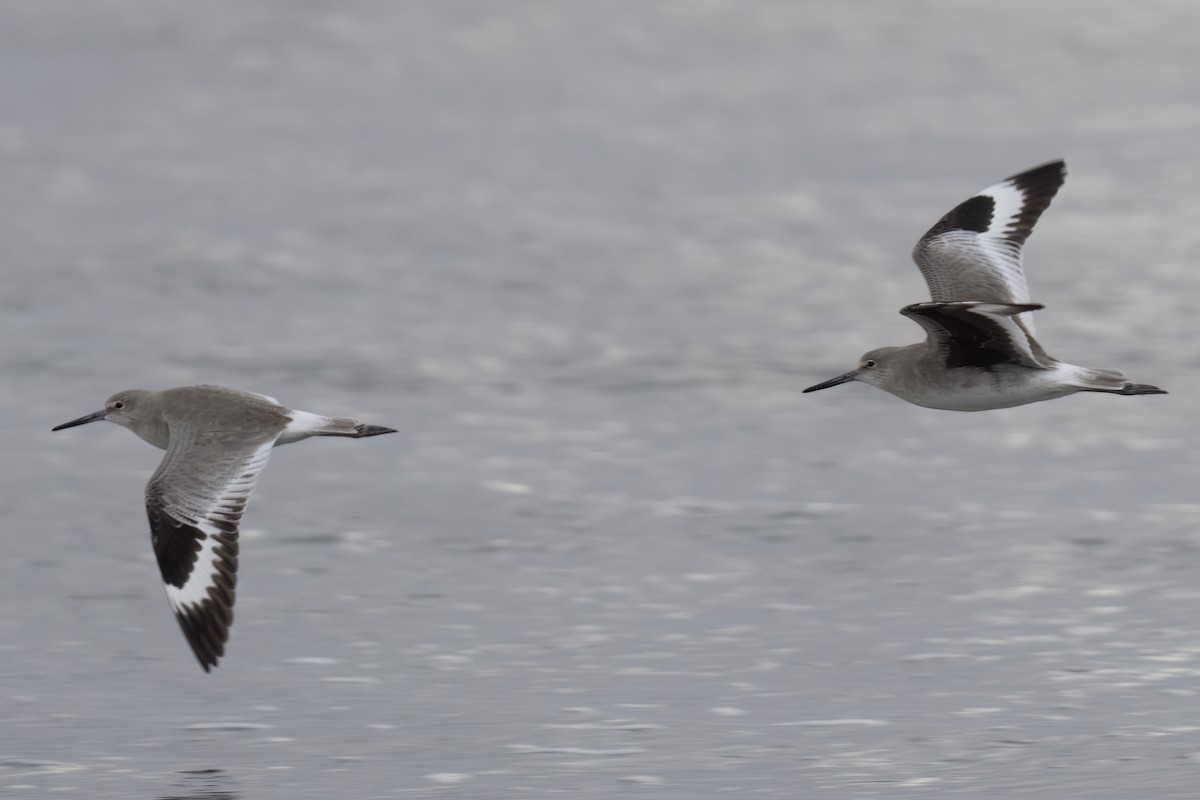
[155, 431]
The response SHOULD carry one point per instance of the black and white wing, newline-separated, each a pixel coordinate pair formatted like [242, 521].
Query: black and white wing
[194, 502]
[973, 253]
[980, 334]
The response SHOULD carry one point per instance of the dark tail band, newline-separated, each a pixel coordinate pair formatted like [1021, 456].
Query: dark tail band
[1140, 388]
[363, 431]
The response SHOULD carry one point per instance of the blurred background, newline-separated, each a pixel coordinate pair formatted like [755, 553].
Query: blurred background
[584, 256]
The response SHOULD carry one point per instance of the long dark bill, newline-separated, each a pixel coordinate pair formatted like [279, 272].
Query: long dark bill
[846, 378]
[99, 415]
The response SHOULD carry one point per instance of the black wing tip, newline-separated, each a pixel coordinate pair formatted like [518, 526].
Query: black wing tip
[1038, 185]
[206, 628]
[1052, 173]
[975, 214]
[205, 624]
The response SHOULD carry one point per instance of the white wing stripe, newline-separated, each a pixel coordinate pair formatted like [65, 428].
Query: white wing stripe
[225, 507]
[1010, 202]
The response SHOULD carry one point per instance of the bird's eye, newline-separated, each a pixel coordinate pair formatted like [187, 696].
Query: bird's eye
[118, 405]
[870, 362]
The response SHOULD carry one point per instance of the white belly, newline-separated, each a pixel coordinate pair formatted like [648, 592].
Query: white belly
[971, 389]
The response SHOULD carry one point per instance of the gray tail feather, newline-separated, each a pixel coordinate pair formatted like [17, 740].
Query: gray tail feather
[1112, 382]
[354, 429]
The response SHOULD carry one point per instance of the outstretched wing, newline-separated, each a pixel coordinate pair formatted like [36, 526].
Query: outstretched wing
[980, 334]
[194, 502]
[974, 252]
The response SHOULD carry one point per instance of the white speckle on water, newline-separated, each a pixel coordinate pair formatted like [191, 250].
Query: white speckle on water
[704, 577]
[645, 780]
[31, 767]
[1090, 630]
[727, 711]
[227, 726]
[829, 723]
[504, 487]
[1109, 609]
[1006, 593]
[612, 725]
[1111, 591]
[575, 751]
[316, 661]
[451, 660]
[937, 656]
[447, 777]
[1017, 439]
[827, 508]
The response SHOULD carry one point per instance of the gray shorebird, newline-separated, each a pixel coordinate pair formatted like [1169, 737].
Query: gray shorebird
[980, 351]
[217, 442]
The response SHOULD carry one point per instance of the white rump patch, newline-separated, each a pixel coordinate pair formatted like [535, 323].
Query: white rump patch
[304, 424]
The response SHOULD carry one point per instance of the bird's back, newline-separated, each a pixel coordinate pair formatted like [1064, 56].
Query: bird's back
[221, 411]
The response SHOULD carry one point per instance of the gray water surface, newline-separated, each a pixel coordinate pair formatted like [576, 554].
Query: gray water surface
[584, 256]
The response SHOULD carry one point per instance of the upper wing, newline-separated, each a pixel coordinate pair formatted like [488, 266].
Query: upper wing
[980, 334]
[974, 252]
[194, 502]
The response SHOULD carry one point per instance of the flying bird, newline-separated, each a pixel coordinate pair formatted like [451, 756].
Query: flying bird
[980, 352]
[217, 440]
